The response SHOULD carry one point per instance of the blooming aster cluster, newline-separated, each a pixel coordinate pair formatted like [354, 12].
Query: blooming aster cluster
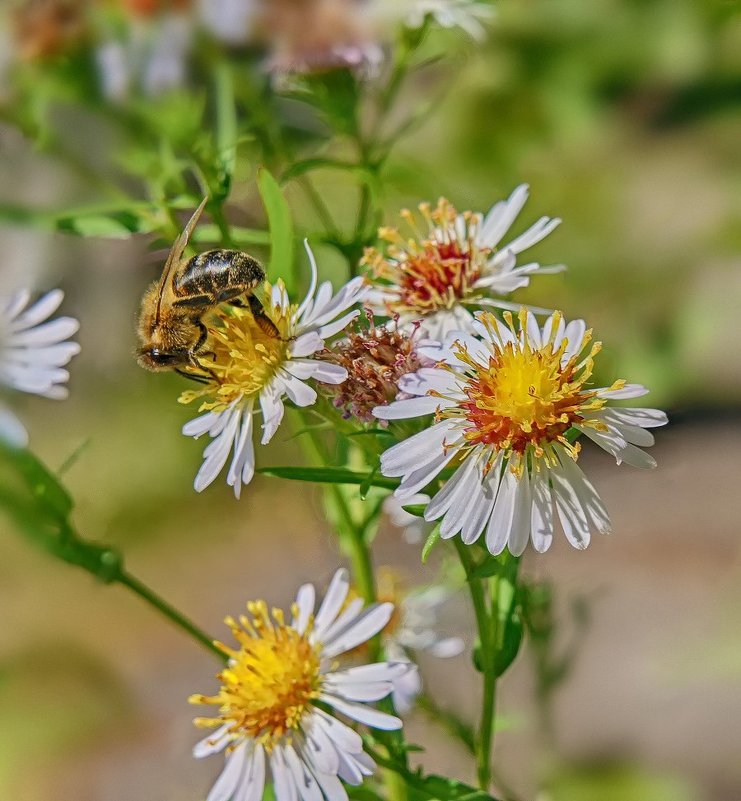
[280, 692]
[506, 400]
[454, 264]
[253, 367]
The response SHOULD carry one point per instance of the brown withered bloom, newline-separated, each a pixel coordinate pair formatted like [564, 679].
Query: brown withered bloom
[375, 359]
[46, 28]
[315, 36]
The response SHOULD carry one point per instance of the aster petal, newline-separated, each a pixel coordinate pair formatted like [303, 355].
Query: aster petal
[570, 511]
[331, 604]
[459, 501]
[365, 626]
[501, 216]
[283, 784]
[637, 436]
[428, 379]
[305, 600]
[228, 780]
[345, 738]
[482, 503]
[306, 784]
[242, 468]
[46, 334]
[217, 451]
[628, 391]
[587, 494]
[331, 787]
[308, 301]
[500, 523]
[447, 647]
[363, 714]
[364, 692]
[645, 418]
[520, 533]
[49, 356]
[534, 234]
[253, 784]
[406, 690]
[12, 431]
[15, 303]
[412, 407]
[575, 332]
[305, 345]
[350, 612]
[298, 392]
[215, 742]
[330, 329]
[44, 307]
[408, 455]
[319, 748]
[413, 482]
[272, 411]
[542, 512]
[377, 671]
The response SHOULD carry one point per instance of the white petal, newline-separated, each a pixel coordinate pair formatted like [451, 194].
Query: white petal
[447, 647]
[365, 626]
[305, 600]
[363, 714]
[588, 495]
[342, 735]
[455, 486]
[409, 454]
[645, 418]
[46, 334]
[542, 512]
[426, 379]
[413, 482]
[305, 345]
[253, 784]
[330, 329]
[500, 522]
[41, 310]
[12, 431]
[272, 412]
[283, 784]
[301, 394]
[520, 533]
[226, 784]
[332, 603]
[215, 742]
[570, 512]
[349, 613]
[307, 787]
[411, 407]
[534, 234]
[628, 391]
[242, 468]
[501, 216]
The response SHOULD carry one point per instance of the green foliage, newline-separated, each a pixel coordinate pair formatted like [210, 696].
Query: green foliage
[281, 230]
[330, 475]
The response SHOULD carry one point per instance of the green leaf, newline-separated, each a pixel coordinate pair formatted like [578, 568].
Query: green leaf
[281, 229]
[208, 232]
[510, 618]
[226, 130]
[431, 542]
[304, 166]
[491, 566]
[43, 486]
[416, 509]
[329, 475]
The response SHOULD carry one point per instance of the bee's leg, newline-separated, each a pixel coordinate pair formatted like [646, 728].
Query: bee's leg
[267, 326]
[201, 379]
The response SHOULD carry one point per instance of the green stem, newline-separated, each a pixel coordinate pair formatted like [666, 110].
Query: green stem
[168, 611]
[486, 621]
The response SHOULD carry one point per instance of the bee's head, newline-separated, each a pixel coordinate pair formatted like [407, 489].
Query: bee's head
[156, 359]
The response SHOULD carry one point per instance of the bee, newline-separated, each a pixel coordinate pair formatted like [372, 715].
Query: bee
[172, 333]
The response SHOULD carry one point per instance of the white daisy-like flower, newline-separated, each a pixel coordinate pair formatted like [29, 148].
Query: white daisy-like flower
[262, 361]
[506, 402]
[469, 15]
[411, 630]
[454, 264]
[274, 692]
[33, 353]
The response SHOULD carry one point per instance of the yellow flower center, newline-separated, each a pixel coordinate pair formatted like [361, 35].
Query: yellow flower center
[243, 352]
[435, 270]
[526, 396]
[271, 679]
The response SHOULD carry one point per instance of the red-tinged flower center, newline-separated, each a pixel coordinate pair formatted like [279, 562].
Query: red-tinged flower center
[436, 269]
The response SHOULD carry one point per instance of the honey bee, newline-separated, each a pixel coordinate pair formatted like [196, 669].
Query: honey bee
[172, 333]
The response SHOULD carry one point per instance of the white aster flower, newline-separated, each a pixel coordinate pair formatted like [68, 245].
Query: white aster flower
[469, 15]
[33, 352]
[256, 362]
[454, 264]
[269, 717]
[505, 401]
[413, 629]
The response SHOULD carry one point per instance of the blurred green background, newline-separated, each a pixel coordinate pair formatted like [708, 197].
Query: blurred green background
[624, 116]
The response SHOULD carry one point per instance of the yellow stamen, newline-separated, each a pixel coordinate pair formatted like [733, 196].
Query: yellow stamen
[271, 679]
[242, 357]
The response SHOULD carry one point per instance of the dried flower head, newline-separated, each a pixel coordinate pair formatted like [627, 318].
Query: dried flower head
[46, 28]
[375, 359]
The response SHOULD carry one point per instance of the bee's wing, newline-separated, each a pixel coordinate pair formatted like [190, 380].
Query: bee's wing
[176, 253]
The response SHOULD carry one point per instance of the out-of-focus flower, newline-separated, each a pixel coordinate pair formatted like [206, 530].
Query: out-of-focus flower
[231, 21]
[46, 28]
[506, 403]
[255, 365]
[33, 352]
[314, 36]
[274, 692]
[413, 629]
[413, 527]
[375, 358]
[454, 264]
[469, 15]
[152, 58]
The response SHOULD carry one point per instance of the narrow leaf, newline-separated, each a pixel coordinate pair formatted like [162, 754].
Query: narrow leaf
[281, 228]
[328, 475]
